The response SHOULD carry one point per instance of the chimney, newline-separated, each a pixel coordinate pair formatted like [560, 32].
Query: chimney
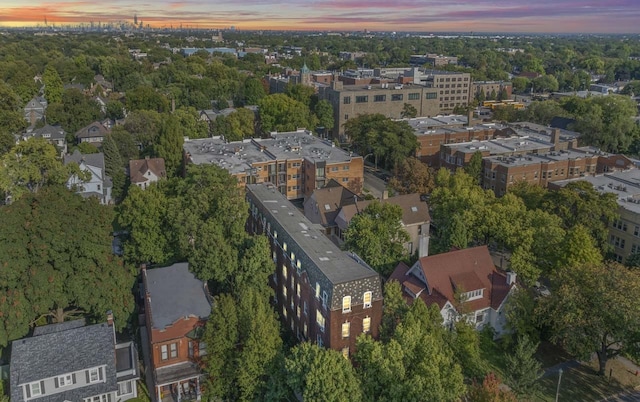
[511, 278]
[555, 139]
[470, 117]
[110, 323]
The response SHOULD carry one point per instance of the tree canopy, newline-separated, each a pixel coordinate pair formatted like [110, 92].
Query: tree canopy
[55, 250]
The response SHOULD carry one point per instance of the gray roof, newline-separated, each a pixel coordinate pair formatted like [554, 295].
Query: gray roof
[61, 326]
[175, 293]
[96, 160]
[336, 270]
[239, 156]
[64, 351]
[55, 132]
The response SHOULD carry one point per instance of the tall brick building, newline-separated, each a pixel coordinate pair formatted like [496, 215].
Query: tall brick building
[323, 294]
[296, 162]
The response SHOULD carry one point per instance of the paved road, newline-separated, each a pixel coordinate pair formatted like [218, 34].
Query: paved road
[629, 396]
[374, 184]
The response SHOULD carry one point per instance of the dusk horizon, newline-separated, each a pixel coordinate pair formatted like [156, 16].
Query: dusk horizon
[517, 16]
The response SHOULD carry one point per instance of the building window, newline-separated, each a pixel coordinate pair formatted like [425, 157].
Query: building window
[125, 388]
[305, 309]
[346, 304]
[473, 295]
[284, 271]
[480, 318]
[380, 98]
[320, 320]
[284, 290]
[202, 349]
[298, 312]
[319, 340]
[346, 327]
[94, 374]
[345, 179]
[35, 389]
[64, 380]
[636, 231]
[190, 349]
[317, 290]
[345, 167]
[362, 99]
[99, 398]
[635, 248]
[620, 225]
[298, 289]
[284, 246]
[414, 96]
[325, 298]
[366, 324]
[617, 241]
[346, 100]
[164, 352]
[367, 299]
[173, 349]
[345, 352]
[397, 97]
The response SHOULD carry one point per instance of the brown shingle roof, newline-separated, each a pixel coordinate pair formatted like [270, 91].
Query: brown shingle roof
[414, 210]
[461, 270]
[95, 129]
[330, 198]
[139, 167]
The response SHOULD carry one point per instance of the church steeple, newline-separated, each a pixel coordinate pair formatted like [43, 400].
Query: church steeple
[305, 75]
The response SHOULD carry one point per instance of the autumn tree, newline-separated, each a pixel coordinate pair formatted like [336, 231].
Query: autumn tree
[55, 247]
[489, 391]
[377, 236]
[412, 176]
[591, 310]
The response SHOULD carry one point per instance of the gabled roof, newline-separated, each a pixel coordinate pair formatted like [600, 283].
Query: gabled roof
[138, 168]
[93, 130]
[414, 210]
[54, 132]
[64, 349]
[328, 201]
[437, 278]
[175, 293]
[95, 160]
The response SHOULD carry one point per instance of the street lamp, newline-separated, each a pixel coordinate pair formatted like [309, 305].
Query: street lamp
[558, 389]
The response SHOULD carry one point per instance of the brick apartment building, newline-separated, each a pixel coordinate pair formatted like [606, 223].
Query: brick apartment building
[296, 162]
[430, 92]
[624, 233]
[489, 87]
[323, 294]
[501, 172]
[177, 306]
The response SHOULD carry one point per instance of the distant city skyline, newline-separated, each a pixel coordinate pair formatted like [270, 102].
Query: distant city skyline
[553, 16]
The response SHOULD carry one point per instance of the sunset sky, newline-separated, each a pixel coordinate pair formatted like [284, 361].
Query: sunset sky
[605, 16]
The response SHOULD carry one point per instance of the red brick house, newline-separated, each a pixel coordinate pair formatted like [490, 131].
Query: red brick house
[177, 305]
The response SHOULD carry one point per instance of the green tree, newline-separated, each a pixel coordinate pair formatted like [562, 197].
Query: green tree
[143, 215]
[412, 176]
[279, 112]
[236, 126]
[11, 115]
[319, 374]
[53, 86]
[324, 113]
[394, 311]
[465, 344]
[520, 313]
[300, 92]
[545, 83]
[74, 271]
[222, 337]
[145, 127]
[522, 369]
[145, 97]
[126, 144]
[474, 167]
[7, 141]
[408, 111]
[590, 310]
[253, 91]
[76, 111]
[113, 166]
[520, 84]
[87, 148]
[543, 112]
[389, 141]
[377, 236]
[29, 166]
[169, 145]
[115, 110]
[190, 123]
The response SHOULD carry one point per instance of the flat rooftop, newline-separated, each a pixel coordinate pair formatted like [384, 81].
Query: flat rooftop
[625, 185]
[240, 156]
[337, 265]
[541, 132]
[552, 156]
[425, 123]
[500, 146]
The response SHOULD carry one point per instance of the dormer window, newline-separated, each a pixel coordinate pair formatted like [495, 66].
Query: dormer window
[473, 295]
[64, 380]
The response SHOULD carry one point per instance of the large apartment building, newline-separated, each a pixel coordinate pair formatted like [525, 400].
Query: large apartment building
[323, 294]
[296, 162]
[430, 92]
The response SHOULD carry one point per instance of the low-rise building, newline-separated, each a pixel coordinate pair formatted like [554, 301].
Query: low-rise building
[35, 110]
[69, 361]
[624, 233]
[55, 135]
[177, 305]
[491, 87]
[295, 162]
[435, 60]
[461, 283]
[93, 133]
[143, 172]
[323, 294]
[98, 184]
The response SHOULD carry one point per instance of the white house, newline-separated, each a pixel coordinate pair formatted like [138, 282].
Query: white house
[465, 277]
[143, 172]
[99, 184]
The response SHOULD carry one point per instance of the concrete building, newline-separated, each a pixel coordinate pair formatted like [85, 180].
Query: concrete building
[469, 273]
[624, 233]
[434, 60]
[489, 87]
[430, 92]
[323, 294]
[71, 361]
[177, 305]
[296, 162]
